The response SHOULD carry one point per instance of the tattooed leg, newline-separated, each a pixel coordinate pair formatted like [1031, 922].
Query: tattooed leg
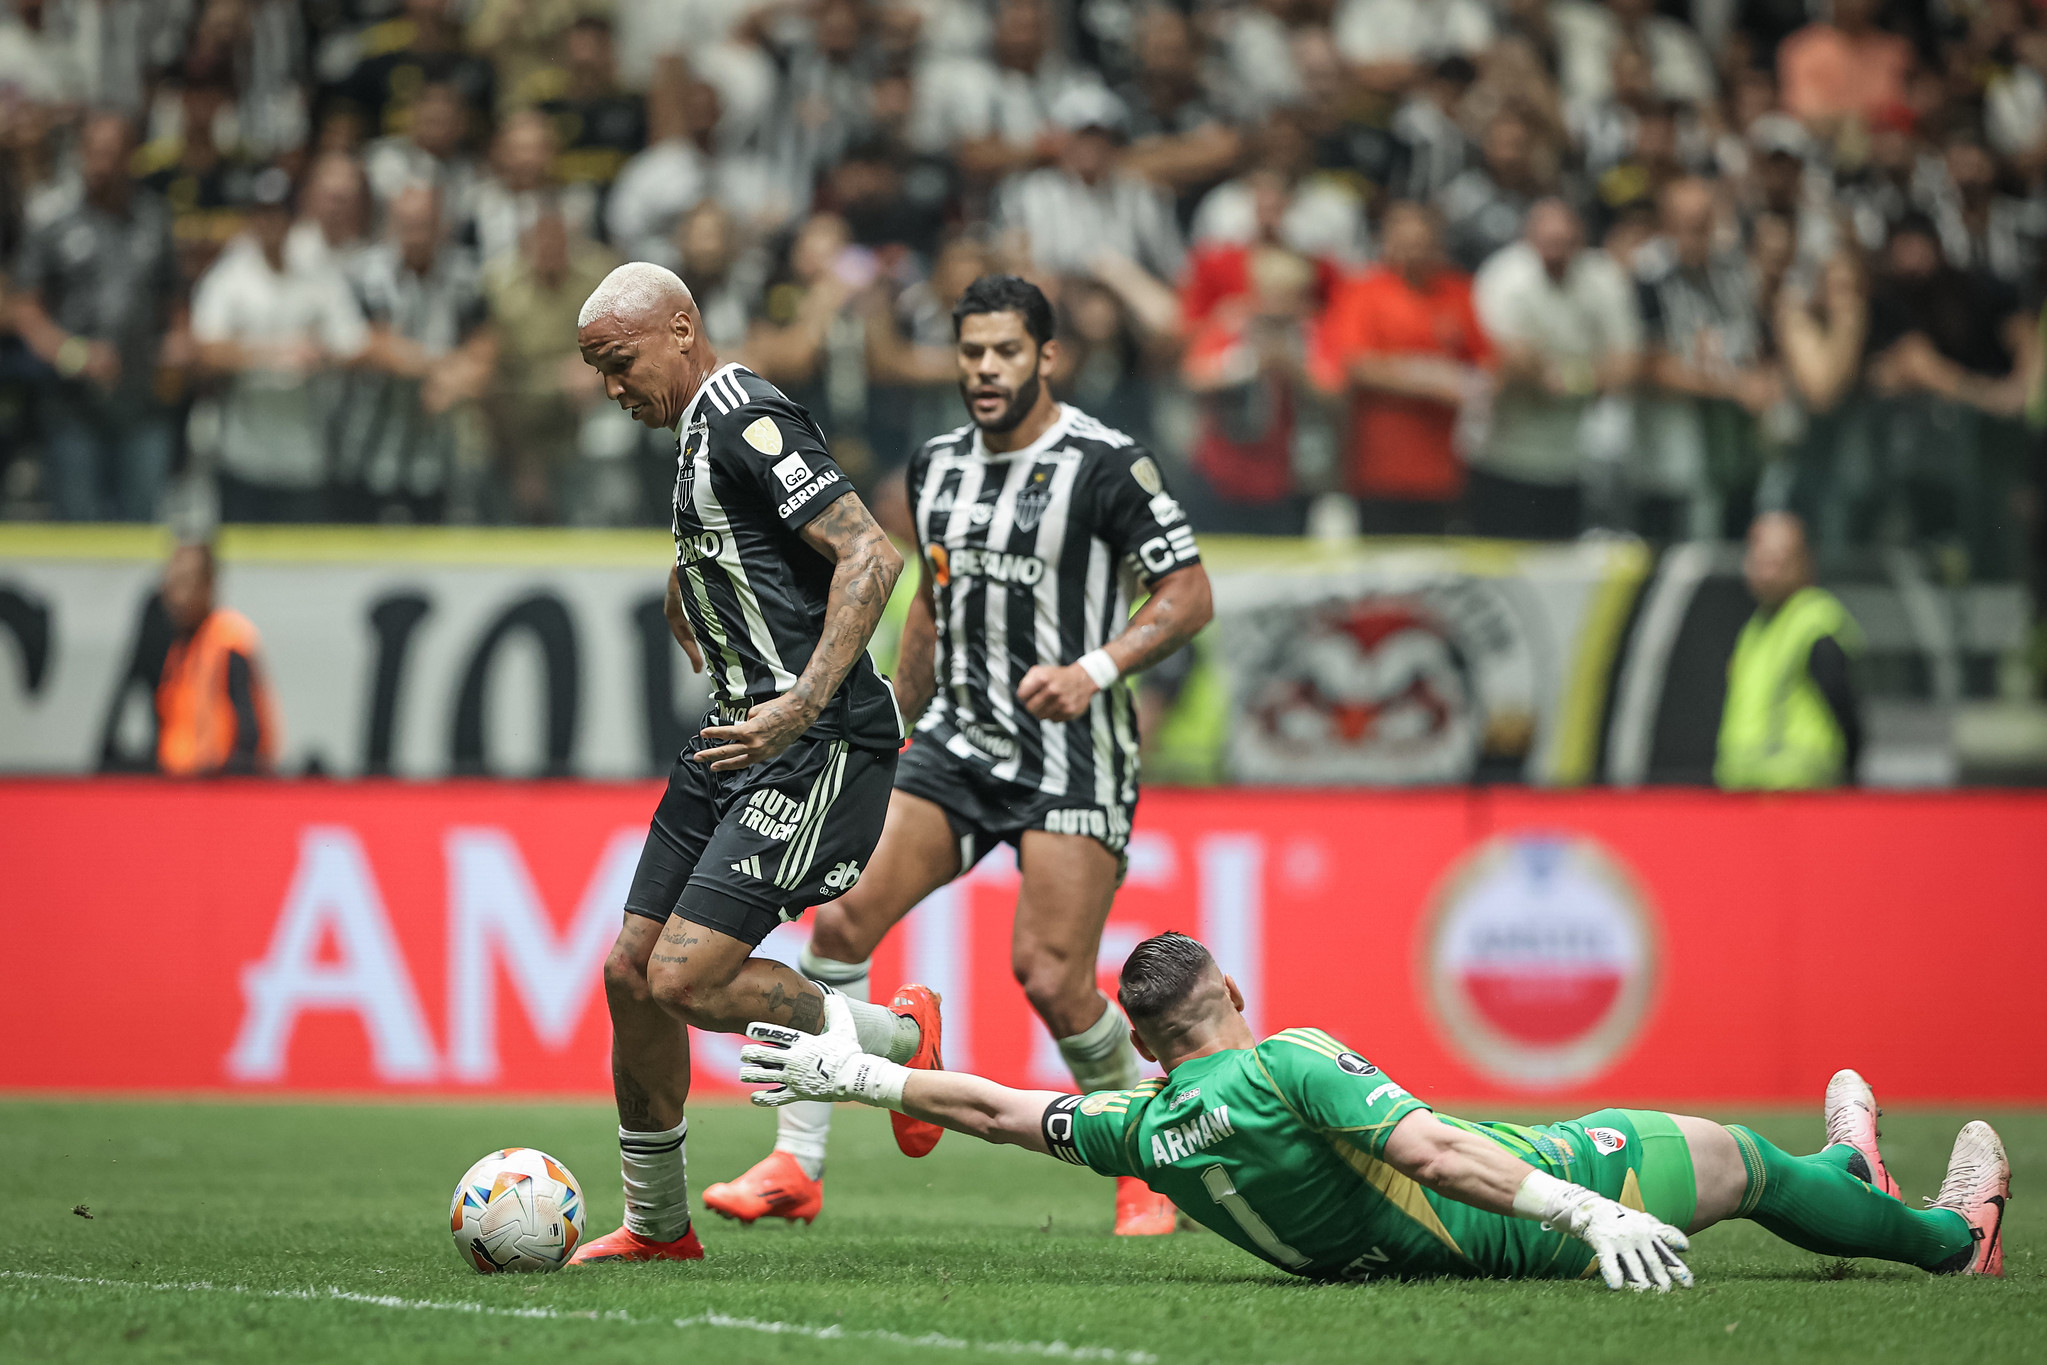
[712, 980]
[649, 1047]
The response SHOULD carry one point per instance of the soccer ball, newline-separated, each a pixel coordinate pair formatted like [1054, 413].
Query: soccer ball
[517, 1209]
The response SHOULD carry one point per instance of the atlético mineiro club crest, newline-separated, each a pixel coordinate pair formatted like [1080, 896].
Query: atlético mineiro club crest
[686, 460]
[1034, 498]
[1540, 960]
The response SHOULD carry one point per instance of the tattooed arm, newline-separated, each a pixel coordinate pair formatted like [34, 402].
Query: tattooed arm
[1180, 604]
[865, 573]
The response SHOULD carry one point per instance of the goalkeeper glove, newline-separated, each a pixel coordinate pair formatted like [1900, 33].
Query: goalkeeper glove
[1635, 1249]
[825, 1066]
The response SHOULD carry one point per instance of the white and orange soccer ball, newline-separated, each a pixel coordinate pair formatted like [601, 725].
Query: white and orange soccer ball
[517, 1209]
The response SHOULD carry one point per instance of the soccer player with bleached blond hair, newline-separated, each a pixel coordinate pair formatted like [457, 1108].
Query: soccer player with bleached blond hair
[778, 580]
[1306, 1155]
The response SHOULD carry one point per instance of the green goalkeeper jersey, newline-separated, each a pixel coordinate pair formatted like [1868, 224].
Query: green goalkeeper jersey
[1281, 1149]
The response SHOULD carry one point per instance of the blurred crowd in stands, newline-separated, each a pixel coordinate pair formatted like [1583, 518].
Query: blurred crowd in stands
[1503, 267]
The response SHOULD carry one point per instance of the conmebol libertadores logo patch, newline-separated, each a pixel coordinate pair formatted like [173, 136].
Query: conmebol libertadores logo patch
[1539, 960]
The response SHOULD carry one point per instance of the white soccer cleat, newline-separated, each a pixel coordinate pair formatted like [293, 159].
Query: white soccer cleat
[1978, 1184]
[1851, 1118]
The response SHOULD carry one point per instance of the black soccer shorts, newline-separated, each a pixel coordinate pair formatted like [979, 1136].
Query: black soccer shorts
[984, 811]
[741, 852]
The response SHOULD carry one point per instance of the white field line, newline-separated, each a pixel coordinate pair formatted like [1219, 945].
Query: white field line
[1056, 1350]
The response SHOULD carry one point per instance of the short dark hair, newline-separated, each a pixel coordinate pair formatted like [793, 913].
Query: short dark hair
[1159, 974]
[1006, 294]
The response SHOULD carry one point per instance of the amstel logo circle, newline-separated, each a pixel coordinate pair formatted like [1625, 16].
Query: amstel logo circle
[1539, 959]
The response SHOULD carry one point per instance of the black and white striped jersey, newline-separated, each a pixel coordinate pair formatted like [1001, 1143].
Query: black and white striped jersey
[1034, 557]
[751, 471]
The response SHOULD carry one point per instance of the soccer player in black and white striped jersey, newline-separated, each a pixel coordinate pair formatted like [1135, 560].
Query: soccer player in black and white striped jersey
[779, 578]
[1037, 527]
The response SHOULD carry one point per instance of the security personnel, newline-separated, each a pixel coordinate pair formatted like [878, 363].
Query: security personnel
[1791, 720]
[213, 708]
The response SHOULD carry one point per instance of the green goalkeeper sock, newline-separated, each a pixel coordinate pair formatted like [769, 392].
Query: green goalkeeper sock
[1814, 1203]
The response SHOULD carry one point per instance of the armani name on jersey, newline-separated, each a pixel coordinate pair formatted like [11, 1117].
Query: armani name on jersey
[751, 473]
[1034, 557]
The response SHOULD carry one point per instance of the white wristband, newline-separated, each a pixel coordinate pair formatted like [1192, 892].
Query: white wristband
[1097, 664]
[1546, 1199]
[873, 1080]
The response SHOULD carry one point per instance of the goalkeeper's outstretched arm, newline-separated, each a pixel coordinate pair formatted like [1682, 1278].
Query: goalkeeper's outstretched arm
[979, 1108]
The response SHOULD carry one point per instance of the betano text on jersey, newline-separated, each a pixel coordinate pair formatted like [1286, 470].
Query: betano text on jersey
[1034, 557]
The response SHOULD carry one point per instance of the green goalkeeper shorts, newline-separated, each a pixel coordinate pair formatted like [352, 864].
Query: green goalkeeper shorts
[1634, 1156]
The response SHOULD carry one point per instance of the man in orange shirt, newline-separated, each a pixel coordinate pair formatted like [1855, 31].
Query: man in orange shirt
[1849, 66]
[1403, 341]
[214, 712]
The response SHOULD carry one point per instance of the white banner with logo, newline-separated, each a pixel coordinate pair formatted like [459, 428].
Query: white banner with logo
[1422, 664]
[428, 659]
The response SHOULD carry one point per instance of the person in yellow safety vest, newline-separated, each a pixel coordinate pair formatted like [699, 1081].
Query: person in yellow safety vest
[214, 710]
[1791, 719]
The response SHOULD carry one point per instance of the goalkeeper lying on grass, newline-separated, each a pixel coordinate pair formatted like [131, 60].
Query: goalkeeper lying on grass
[1306, 1155]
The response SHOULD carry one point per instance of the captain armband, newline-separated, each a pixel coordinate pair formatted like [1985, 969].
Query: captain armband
[1058, 1129]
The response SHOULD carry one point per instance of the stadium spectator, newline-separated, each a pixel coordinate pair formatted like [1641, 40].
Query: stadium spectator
[1704, 356]
[1563, 319]
[1181, 136]
[1320, 215]
[276, 334]
[1844, 65]
[1404, 344]
[678, 167]
[599, 125]
[214, 711]
[1246, 363]
[725, 277]
[1436, 146]
[1087, 203]
[1483, 208]
[97, 302]
[1791, 718]
[430, 352]
[1982, 226]
[332, 230]
[542, 389]
[433, 149]
[521, 187]
[388, 64]
[1591, 37]
[995, 117]
[1385, 42]
[1946, 347]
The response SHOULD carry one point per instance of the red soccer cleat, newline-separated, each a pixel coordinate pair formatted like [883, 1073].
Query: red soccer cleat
[1978, 1184]
[915, 1136]
[1851, 1119]
[627, 1245]
[776, 1187]
[1140, 1212]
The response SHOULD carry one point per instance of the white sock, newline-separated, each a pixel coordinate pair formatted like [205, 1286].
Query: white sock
[1100, 1056]
[802, 1129]
[656, 1173]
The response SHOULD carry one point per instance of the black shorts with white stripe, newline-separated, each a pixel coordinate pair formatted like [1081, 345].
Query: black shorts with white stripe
[741, 852]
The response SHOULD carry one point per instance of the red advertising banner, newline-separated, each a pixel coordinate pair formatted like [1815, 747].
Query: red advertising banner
[1503, 945]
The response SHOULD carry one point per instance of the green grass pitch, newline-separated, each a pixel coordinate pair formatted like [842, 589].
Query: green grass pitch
[271, 1232]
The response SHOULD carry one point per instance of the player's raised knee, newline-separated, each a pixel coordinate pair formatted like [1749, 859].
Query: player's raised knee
[834, 935]
[1054, 984]
[675, 989]
[625, 974]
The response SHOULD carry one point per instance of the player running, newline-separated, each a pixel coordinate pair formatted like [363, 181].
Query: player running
[780, 576]
[1037, 524]
[1305, 1155]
